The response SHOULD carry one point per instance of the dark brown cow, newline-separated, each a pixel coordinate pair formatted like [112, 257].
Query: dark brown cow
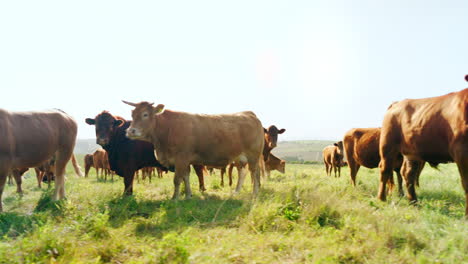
[274, 163]
[361, 148]
[181, 139]
[333, 158]
[126, 156]
[433, 130]
[89, 162]
[31, 138]
[271, 139]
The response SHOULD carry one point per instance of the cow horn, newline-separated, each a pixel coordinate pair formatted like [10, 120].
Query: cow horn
[132, 104]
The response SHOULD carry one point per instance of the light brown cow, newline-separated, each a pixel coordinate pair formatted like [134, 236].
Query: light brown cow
[31, 138]
[333, 158]
[181, 139]
[433, 130]
[89, 162]
[274, 163]
[361, 148]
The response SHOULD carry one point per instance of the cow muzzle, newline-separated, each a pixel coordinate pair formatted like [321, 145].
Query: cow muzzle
[102, 141]
[133, 133]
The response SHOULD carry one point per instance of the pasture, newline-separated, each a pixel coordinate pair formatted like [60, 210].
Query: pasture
[300, 217]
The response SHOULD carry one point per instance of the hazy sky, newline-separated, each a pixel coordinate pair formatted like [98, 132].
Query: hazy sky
[316, 68]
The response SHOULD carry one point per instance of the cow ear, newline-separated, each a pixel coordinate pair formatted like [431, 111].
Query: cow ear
[159, 109]
[281, 131]
[334, 144]
[90, 121]
[265, 130]
[118, 122]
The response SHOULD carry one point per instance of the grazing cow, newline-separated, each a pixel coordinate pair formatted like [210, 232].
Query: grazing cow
[31, 138]
[89, 162]
[361, 147]
[433, 130]
[333, 158]
[181, 139]
[126, 156]
[46, 169]
[274, 163]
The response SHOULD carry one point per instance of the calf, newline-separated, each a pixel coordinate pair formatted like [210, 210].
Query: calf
[333, 158]
[274, 163]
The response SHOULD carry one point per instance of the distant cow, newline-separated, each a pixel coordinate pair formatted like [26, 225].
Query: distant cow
[223, 171]
[181, 139]
[101, 163]
[433, 130]
[126, 156]
[31, 138]
[333, 158]
[88, 161]
[361, 147]
[274, 163]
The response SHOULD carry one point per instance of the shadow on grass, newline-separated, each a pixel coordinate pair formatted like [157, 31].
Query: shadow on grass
[15, 224]
[163, 215]
[47, 204]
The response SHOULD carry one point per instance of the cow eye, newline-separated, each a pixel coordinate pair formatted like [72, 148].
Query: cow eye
[145, 115]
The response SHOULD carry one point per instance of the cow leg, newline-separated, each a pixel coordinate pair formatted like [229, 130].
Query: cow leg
[242, 171]
[412, 168]
[326, 167]
[231, 167]
[3, 178]
[128, 182]
[63, 156]
[181, 172]
[18, 180]
[353, 170]
[255, 174]
[339, 171]
[201, 180]
[401, 193]
[38, 177]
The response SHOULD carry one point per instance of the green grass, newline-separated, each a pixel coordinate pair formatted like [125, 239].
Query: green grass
[300, 217]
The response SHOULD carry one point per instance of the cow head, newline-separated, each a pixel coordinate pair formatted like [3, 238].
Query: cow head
[105, 124]
[142, 117]
[271, 136]
[282, 166]
[339, 145]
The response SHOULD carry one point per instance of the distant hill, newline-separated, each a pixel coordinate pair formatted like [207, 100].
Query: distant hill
[299, 150]
[86, 146]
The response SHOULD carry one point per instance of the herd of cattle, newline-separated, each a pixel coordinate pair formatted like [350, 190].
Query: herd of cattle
[414, 131]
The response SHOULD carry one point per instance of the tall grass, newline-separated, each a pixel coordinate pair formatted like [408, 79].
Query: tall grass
[300, 217]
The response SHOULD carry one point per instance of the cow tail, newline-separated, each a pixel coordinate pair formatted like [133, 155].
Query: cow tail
[76, 166]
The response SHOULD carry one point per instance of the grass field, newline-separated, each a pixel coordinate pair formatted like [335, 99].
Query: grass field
[300, 217]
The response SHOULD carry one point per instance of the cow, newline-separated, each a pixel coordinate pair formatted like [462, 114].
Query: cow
[361, 148]
[271, 139]
[270, 142]
[126, 156]
[31, 138]
[181, 139]
[432, 130]
[89, 162]
[274, 163]
[333, 158]
[101, 163]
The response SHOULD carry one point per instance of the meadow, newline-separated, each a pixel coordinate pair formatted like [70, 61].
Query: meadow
[302, 216]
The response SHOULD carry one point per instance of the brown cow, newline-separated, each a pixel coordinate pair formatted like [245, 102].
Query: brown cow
[101, 163]
[274, 163]
[89, 162]
[23, 134]
[433, 130]
[333, 158]
[361, 148]
[181, 139]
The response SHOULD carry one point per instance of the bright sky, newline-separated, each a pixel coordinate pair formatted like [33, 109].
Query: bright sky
[316, 68]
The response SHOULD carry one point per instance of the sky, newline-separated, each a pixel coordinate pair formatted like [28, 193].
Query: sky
[316, 68]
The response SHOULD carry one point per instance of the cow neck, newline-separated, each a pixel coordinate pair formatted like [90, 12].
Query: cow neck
[160, 126]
